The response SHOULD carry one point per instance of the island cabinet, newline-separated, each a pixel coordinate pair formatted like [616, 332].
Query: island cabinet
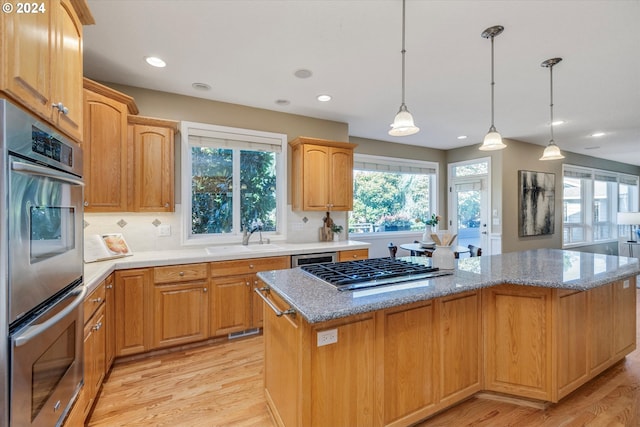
[543, 343]
[110, 321]
[42, 60]
[322, 175]
[234, 305]
[180, 304]
[389, 367]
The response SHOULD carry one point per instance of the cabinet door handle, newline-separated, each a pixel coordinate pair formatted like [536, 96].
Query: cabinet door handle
[250, 265]
[60, 106]
[247, 283]
[204, 289]
[97, 300]
[109, 286]
[86, 203]
[181, 274]
[166, 205]
[290, 311]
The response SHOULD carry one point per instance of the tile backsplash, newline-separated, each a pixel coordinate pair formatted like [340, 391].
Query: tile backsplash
[142, 231]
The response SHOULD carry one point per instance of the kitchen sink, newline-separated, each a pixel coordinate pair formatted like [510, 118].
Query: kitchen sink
[239, 249]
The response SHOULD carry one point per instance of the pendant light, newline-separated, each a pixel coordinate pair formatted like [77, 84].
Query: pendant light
[403, 123]
[552, 152]
[493, 139]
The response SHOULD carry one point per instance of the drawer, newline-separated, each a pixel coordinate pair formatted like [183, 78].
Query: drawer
[179, 273]
[248, 266]
[93, 301]
[353, 255]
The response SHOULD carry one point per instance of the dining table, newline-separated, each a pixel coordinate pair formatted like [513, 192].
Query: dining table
[418, 249]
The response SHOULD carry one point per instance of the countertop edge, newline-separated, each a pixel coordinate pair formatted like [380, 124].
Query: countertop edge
[96, 272]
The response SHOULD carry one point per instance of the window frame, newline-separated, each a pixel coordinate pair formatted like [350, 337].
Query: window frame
[248, 136]
[401, 163]
[588, 203]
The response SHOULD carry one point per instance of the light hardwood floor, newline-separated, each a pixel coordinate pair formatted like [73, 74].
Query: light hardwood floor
[221, 385]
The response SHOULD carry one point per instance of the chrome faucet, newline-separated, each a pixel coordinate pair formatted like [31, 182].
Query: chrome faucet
[255, 226]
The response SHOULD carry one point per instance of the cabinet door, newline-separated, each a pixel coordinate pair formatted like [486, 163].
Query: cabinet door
[105, 154]
[152, 169]
[600, 303]
[67, 67]
[624, 317]
[180, 313]
[27, 44]
[341, 179]
[409, 357]
[230, 304]
[573, 366]
[94, 340]
[110, 322]
[460, 345]
[134, 321]
[315, 179]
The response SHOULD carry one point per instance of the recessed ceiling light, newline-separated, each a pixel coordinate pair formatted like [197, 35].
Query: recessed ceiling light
[283, 102]
[323, 98]
[558, 122]
[302, 73]
[597, 134]
[154, 61]
[462, 137]
[201, 86]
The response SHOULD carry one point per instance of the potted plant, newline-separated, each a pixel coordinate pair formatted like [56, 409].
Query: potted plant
[336, 229]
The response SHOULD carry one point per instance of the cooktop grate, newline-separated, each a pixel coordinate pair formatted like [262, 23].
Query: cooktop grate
[364, 273]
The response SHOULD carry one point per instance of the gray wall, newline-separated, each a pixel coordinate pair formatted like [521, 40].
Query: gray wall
[505, 163]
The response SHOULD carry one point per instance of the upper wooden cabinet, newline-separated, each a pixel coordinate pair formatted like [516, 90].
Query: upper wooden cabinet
[128, 159]
[105, 148]
[322, 175]
[152, 142]
[42, 61]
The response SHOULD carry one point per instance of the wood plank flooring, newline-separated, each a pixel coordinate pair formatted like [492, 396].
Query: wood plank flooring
[221, 385]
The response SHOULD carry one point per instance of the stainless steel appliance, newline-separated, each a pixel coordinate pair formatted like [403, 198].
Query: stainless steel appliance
[43, 264]
[306, 259]
[366, 273]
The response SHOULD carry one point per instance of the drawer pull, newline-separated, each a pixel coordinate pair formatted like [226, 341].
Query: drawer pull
[97, 300]
[290, 311]
[109, 286]
[250, 265]
[181, 274]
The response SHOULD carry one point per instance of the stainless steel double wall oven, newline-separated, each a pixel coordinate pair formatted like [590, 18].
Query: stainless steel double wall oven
[41, 270]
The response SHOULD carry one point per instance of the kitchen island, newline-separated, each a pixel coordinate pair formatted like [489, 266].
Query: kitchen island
[535, 324]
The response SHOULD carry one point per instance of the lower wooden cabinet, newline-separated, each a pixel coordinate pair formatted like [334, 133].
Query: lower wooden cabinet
[134, 316]
[234, 305]
[180, 304]
[94, 357]
[353, 255]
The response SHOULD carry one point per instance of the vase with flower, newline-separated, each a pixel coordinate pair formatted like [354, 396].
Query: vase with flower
[431, 227]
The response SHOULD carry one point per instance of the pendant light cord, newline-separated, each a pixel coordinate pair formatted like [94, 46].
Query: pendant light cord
[403, 51]
[493, 83]
[551, 101]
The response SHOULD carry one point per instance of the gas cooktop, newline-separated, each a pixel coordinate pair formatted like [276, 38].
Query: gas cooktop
[366, 273]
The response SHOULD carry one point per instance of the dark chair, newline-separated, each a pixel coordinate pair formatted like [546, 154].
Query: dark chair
[474, 250]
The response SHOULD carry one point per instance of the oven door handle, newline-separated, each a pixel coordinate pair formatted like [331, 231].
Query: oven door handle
[34, 331]
[46, 172]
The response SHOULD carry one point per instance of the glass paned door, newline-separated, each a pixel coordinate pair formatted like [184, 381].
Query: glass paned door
[470, 212]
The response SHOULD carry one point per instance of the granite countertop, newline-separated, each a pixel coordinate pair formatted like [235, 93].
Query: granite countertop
[95, 272]
[316, 301]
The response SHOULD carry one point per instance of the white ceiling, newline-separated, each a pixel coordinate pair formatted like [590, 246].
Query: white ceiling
[248, 51]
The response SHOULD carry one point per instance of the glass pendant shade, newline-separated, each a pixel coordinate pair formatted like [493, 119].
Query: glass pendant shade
[552, 152]
[492, 141]
[403, 123]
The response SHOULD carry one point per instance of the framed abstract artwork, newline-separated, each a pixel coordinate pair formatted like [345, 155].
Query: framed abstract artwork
[537, 203]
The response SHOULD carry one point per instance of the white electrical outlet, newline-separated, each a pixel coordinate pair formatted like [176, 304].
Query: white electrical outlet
[327, 337]
[164, 230]
[625, 284]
